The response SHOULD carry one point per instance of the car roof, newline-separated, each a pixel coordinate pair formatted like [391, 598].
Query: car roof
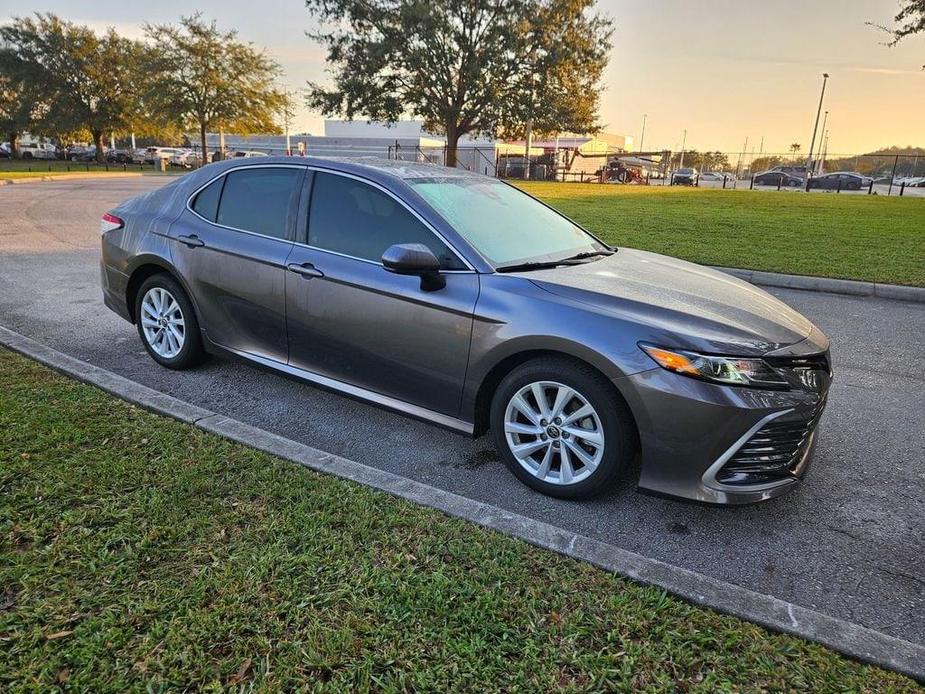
[372, 167]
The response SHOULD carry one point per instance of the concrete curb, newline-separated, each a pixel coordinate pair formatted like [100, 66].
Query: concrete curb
[67, 177]
[827, 284]
[850, 639]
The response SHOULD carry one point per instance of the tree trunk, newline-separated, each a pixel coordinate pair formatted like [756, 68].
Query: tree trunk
[452, 141]
[202, 140]
[98, 142]
[14, 145]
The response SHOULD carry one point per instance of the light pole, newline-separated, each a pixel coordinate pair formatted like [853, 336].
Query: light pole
[825, 119]
[642, 137]
[812, 144]
[683, 143]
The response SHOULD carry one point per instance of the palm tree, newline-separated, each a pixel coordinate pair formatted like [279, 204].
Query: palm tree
[795, 148]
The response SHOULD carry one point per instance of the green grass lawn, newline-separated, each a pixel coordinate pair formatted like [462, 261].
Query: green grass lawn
[138, 553]
[859, 237]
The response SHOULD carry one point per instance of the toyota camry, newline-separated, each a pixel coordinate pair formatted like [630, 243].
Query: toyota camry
[461, 300]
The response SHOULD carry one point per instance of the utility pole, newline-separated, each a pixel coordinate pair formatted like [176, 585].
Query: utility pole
[741, 155]
[812, 144]
[528, 144]
[825, 151]
[642, 137]
[683, 144]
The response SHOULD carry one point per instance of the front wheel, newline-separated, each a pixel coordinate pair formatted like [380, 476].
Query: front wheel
[167, 324]
[561, 428]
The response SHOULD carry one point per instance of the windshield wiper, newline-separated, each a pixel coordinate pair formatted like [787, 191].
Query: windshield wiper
[518, 267]
[542, 265]
[589, 254]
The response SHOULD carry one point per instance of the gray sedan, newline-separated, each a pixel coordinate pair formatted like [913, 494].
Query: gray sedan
[461, 300]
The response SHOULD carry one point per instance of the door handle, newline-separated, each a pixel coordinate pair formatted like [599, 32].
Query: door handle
[191, 241]
[307, 270]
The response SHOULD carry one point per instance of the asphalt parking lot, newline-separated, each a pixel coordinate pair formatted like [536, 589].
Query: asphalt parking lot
[849, 542]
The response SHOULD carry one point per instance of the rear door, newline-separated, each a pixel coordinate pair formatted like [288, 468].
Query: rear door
[231, 247]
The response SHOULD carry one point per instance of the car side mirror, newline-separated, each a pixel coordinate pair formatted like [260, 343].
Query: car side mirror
[414, 259]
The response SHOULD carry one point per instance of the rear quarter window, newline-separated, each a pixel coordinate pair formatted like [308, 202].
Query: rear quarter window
[205, 204]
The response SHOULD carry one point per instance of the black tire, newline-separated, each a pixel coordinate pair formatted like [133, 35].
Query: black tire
[192, 352]
[615, 418]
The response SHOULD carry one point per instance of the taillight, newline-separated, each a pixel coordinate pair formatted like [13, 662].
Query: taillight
[110, 222]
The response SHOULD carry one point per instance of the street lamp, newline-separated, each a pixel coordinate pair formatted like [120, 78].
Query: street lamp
[825, 119]
[642, 137]
[812, 144]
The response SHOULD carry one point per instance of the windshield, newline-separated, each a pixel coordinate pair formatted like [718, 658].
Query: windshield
[504, 224]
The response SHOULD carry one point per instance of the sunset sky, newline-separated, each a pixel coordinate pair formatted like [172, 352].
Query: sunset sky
[722, 69]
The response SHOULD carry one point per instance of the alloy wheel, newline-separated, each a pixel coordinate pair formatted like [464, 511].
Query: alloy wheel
[554, 432]
[162, 322]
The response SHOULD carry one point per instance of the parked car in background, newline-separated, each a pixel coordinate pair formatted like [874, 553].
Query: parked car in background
[778, 178]
[798, 170]
[80, 153]
[840, 180]
[119, 156]
[244, 154]
[714, 176]
[156, 154]
[908, 181]
[187, 159]
[5, 152]
[380, 279]
[38, 150]
[684, 177]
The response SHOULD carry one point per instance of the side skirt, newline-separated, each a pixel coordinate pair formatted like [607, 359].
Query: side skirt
[352, 391]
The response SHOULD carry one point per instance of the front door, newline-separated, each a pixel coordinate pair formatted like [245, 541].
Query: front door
[232, 251]
[352, 320]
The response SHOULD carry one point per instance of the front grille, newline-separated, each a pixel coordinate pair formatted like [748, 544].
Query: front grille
[773, 452]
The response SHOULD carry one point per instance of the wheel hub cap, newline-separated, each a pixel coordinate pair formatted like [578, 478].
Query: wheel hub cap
[162, 322]
[554, 432]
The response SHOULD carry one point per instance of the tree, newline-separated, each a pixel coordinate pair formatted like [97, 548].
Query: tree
[210, 80]
[92, 82]
[795, 148]
[908, 21]
[473, 67]
[19, 98]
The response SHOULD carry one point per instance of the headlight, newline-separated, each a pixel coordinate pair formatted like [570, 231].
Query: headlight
[728, 370]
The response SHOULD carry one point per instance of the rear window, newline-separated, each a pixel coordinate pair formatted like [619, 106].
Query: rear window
[259, 200]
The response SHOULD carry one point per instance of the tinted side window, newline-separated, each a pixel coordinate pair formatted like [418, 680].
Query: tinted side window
[206, 202]
[350, 217]
[259, 200]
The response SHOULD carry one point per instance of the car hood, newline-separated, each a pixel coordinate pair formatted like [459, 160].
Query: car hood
[699, 307]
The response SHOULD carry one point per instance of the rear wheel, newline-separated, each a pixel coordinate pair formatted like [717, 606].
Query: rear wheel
[167, 324]
[560, 428]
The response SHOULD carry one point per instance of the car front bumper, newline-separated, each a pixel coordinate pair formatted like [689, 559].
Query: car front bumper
[706, 442]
